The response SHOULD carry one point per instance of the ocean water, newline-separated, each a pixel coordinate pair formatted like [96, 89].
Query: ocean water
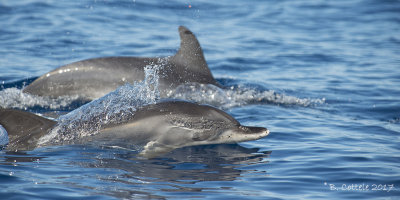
[322, 76]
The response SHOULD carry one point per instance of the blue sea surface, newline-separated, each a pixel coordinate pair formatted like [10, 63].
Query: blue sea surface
[323, 76]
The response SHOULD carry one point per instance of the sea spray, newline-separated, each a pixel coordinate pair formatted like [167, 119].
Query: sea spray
[234, 96]
[15, 98]
[3, 137]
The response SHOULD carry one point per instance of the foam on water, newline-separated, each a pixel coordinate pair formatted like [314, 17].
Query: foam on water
[237, 96]
[201, 93]
[15, 98]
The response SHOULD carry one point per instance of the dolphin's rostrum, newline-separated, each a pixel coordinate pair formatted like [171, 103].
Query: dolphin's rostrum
[159, 128]
[93, 78]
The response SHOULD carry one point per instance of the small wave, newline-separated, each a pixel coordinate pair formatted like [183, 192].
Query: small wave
[15, 98]
[395, 120]
[237, 96]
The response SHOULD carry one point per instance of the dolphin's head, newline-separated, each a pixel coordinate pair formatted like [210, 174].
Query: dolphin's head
[203, 124]
[241, 134]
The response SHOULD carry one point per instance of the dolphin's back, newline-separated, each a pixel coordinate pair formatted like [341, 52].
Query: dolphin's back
[90, 79]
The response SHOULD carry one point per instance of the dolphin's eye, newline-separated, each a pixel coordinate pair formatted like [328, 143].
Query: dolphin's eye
[244, 128]
[188, 32]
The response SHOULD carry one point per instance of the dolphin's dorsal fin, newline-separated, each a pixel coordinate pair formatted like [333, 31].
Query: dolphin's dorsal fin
[24, 128]
[190, 53]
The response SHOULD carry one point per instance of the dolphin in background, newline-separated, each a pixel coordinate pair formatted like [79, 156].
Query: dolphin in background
[93, 78]
[158, 128]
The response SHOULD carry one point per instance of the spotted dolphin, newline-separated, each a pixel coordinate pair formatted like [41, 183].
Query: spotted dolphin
[93, 78]
[158, 128]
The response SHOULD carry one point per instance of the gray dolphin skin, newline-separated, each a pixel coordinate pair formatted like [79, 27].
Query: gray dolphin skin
[93, 78]
[24, 129]
[159, 128]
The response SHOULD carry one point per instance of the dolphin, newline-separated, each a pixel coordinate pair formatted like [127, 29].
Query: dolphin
[159, 128]
[93, 78]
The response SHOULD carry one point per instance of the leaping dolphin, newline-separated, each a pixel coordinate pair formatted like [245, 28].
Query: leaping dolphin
[159, 128]
[93, 78]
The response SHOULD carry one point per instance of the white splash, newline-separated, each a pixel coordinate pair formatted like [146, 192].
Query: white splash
[236, 96]
[115, 107]
[15, 98]
[3, 136]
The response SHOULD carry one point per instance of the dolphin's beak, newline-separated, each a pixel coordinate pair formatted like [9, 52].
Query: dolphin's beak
[251, 130]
